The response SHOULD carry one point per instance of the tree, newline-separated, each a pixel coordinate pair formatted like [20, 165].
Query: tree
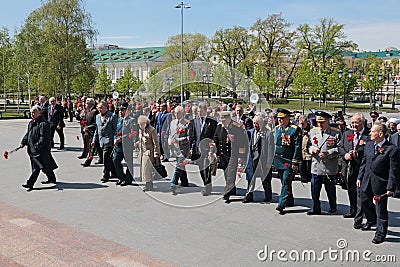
[61, 31]
[274, 40]
[102, 81]
[233, 47]
[195, 48]
[323, 45]
[5, 48]
[128, 82]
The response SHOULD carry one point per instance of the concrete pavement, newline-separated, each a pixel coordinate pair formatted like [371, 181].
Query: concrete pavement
[137, 228]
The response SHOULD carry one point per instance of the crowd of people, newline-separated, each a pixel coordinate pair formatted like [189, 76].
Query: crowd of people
[318, 148]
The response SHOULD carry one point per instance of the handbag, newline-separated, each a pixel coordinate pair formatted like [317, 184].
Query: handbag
[160, 169]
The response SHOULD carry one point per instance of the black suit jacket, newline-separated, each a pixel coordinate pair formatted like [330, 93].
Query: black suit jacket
[56, 118]
[346, 145]
[394, 139]
[381, 170]
[91, 120]
[208, 131]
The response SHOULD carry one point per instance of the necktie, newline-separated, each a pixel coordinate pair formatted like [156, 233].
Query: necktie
[356, 139]
[376, 149]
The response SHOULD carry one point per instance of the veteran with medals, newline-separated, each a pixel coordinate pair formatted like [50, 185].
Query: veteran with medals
[288, 140]
[323, 144]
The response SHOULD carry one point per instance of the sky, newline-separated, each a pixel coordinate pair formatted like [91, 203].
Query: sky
[373, 25]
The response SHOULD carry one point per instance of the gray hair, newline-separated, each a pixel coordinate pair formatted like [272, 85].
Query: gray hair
[361, 116]
[179, 109]
[103, 103]
[36, 107]
[381, 127]
[259, 119]
[143, 118]
[91, 101]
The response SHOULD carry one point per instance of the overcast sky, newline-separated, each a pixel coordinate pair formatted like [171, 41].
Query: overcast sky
[373, 25]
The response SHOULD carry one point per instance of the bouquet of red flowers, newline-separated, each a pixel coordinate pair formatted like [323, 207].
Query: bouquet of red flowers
[378, 198]
[132, 133]
[7, 153]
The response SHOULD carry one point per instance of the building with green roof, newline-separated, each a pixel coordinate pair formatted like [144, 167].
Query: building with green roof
[141, 61]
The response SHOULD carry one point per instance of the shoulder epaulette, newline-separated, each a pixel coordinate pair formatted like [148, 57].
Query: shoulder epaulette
[335, 128]
[236, 124]
[219, 123]
[294, 126]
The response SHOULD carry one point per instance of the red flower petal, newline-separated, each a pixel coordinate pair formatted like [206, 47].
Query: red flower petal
[5, 155]
[377, 199]
[119, 134]
[90, 158]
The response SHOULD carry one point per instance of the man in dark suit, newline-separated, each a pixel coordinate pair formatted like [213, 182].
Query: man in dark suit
[231, 144]
[56, 119]
[352, 150]
[163, 120]
[244, 121]
[37, 139]
[201, 132]
[44, 107]
[260, 159]
[378, 174]
[394, 139]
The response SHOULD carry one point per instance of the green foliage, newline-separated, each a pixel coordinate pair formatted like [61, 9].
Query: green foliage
[127, 83]
[103, 83]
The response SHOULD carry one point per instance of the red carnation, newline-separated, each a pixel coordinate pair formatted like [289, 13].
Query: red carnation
[286, 164]
[381, 149]
[377, 198]
[83, 123]
[5, 155]
[90, 158]
[350, 137]
[133, 132]
[180, 131]
[211, 144]
[315, 140]
[130, 135]
[119, 134]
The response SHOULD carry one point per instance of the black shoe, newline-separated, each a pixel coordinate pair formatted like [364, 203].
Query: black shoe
[85, 164]
[119, 182]
[125, 183]
[378, 240]
[247, 200]
[81, 157]
[332, 210]
[104, 180]
[48, 182]
[280, 210]
[60, 148]
[366, 227]
[28, 187]
[357, 225]
[349, 215]
[266, 201]
[311, 212]
[226, 198]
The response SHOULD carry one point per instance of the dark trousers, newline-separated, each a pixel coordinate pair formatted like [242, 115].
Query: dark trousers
[119, 169]
[316, 186]
[35, 174]
[352, 191]
[180, 173]
[266, 184]
[305, 170]
[286, 196]
[108, 163]
[382, 215]
[368, 206]
[360, 212]
[60, 133]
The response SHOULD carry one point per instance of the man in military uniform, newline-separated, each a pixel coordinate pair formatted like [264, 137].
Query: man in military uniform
[231, 149]
[288, 139]
[323, 144]
[123, 131]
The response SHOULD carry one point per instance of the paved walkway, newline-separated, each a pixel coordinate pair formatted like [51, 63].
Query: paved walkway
[81, 221]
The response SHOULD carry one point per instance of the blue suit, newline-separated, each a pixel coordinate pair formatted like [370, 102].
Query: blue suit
[378, 174]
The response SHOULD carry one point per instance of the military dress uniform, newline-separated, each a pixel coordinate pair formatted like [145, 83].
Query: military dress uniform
[288, 142]
[323, 169]
[229, 152]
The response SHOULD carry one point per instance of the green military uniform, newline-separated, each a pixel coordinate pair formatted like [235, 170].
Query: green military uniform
[229, 152]
[288, 145]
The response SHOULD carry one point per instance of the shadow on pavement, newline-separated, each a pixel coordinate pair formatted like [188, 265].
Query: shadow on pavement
[63, 185]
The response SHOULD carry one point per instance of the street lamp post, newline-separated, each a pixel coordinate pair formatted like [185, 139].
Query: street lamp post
[169, 81]
[389, 70]
[340, 74]
[371, 78]
[246, 80]
[211, 78]
[394, 95]
[182, 6]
